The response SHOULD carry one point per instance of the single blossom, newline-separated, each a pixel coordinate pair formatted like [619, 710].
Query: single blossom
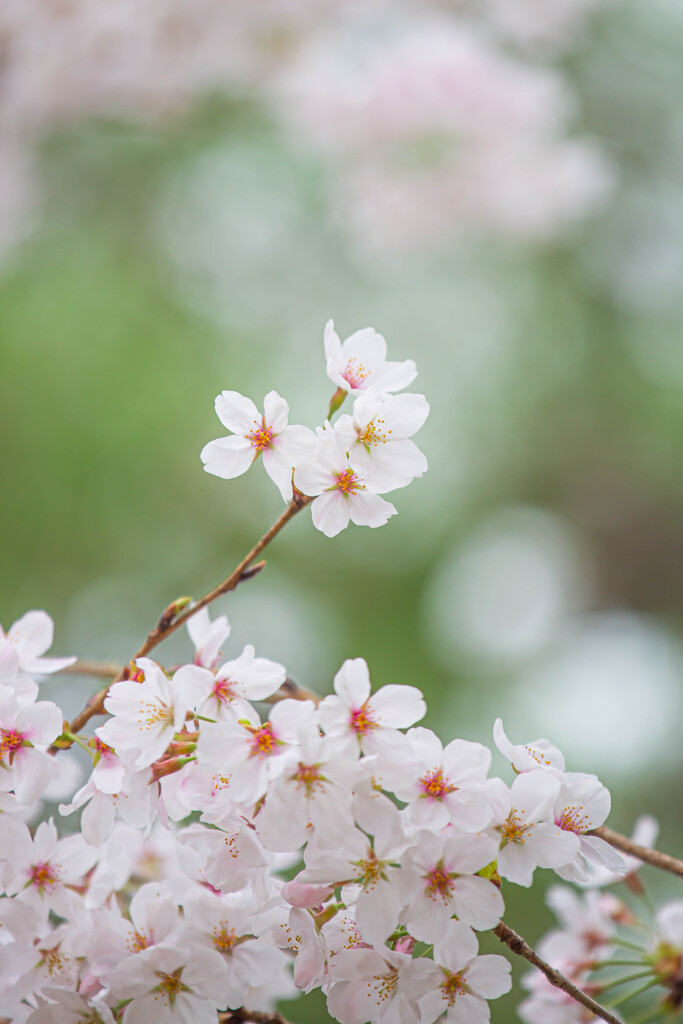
[342, 494]
[256, 434]
[207, 637]
[31, 636]
[148, 712]
[364, 720]
[527, 757]
[461, 982]
[377, 435]
[360, 362]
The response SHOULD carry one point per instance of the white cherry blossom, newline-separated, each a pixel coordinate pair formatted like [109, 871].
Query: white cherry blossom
[207, 636]
[25, 733]
[377, 435]
[527, 757]
[31, 636]
[441, 785]
[257, 434]
[236, 682]
[460, 981]
[440, 882]
[583, 803]
[523, 819]
[360, 362]
[147, 713]
[342, 494]
[382, 987]
[170, 986]
[363, 719]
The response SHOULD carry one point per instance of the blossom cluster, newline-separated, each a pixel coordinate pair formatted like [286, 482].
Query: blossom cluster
[398, 842]
[345, 467]
[602, 943]
[241, 839]
[144, 61]
[435, 134]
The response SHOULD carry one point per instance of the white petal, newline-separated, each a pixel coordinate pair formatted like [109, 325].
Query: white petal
[227, 457]
[237, 413]
[276, 412]
[330, 512]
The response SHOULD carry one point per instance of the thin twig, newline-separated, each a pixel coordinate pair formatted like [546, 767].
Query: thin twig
[164, 628]
[105, 669]
[292, 691]
[522, 948]
[644, 853]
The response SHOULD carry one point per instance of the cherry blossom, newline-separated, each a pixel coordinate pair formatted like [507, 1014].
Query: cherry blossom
[583, 803]
[257, 434]
[442, 785]
[360, 362]
[236, 683]
[366, 720]
[369, 985]
[342, 495]
[377, 436]
[31, 636]
[460, 981]
[170, 985]
[527, 757]
[23, 730]
[207, 636]
[147, 713]
[439, 873]
[528, 837]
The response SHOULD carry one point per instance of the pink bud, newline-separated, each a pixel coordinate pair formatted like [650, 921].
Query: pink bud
[301, 894]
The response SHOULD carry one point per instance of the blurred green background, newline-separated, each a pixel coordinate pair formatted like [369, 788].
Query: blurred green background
[535, 573]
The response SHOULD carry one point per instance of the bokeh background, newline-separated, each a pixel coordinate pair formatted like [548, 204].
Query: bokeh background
[187, 194]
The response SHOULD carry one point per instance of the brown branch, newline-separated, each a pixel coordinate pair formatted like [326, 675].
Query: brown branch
[244, 571]
[292, 691]
[522, 948]
[105, 669]
[258, 1016]
[644, 853]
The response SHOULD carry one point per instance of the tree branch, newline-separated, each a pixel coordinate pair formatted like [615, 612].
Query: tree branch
[519, 946]
[258, 1016]
[644, 853]
[166, 625]
[105, 669]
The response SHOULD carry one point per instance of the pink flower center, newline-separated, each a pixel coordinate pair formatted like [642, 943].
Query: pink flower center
[355, 373]
[10, 740]
[43, 875]
[439, 883]
[362, 720]
[347, 482]
[261, 438]
[262, 742]
[224, 939]
[573, 819]
[224, 691]
[435, 786]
